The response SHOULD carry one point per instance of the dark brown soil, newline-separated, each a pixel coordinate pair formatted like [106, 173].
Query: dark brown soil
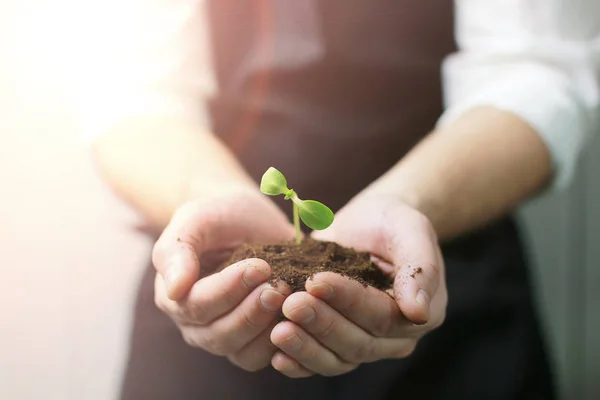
[415, 272]
[295, 264]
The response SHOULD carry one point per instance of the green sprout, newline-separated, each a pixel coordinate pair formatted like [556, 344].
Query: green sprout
[315, 215]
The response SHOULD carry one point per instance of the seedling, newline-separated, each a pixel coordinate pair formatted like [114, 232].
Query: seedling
[315, 215]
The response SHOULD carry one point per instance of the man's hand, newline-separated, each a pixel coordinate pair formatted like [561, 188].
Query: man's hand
[229, 312]
[337, 323]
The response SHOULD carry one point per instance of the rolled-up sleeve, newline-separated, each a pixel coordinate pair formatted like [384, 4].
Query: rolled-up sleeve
[143, 58]
[538, 59]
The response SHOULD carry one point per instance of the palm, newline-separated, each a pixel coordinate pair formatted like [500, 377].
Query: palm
[350, 324]
[402, 242]
[219, 225]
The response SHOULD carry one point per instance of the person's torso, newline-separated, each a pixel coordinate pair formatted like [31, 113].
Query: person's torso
[332, 93]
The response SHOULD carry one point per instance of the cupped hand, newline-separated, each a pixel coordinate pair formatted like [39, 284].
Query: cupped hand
[338, 324]
[230, 312]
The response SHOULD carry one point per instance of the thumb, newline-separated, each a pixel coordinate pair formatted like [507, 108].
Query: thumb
[178, 265]
[213, 227]
[418, 261]
[175, 254]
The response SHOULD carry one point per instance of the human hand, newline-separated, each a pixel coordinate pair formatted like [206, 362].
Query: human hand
[229, 312]
[337, 324]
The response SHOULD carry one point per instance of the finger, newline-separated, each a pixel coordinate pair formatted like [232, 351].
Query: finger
[335, 332]
[418, 261]
[289, 367]
[302, 347]
[195, 228]
[257, 354]
[232, 332]
[176, 261]
[409, 242]
[215, 224]
[371, 309]
[215, 295]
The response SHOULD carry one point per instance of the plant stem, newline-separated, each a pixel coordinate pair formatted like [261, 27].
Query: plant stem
[297, 224]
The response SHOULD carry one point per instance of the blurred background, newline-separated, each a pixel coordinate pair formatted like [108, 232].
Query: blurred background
[70, 258]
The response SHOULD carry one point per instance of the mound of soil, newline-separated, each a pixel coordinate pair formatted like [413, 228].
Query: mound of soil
[295, 264]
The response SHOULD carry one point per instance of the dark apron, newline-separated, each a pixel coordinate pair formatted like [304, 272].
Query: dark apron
[334, 107]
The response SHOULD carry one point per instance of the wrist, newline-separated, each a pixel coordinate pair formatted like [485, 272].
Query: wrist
[393, 190]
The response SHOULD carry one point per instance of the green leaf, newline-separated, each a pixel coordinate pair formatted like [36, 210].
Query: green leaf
[273, 182]
[315, 215]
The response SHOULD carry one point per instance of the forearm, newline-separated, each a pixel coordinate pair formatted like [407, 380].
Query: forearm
[158, 164]
[476, 171]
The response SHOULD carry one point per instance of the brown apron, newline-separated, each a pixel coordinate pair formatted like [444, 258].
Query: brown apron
[334, 93]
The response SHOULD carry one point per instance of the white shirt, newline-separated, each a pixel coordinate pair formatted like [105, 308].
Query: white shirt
[539, 59]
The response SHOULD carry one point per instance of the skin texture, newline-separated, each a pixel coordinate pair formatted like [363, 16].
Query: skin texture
[229, 312]
[454, 181]
[339, 324]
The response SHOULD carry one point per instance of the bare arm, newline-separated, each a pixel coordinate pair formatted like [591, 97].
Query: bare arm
[461, 179]
[143, 106]
[158, 164]
[523, 97]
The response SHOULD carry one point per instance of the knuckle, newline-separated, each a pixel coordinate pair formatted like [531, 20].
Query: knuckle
[253, 367]
[351, 303]
[309, 354]
[206, 341]
[340, 369]
[327, 329]
[331, 372]
[381, 327]
[200, 316]
[407, 350]
[191, 339]
[247, 364]
[362, 353]
[348, 368]
[199, 313]
[215, 344]
[249, 323]
[228, 296]
[218, 345]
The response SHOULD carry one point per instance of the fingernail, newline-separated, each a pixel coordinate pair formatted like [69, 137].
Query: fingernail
[422, 298]
[252, 277]
[303, 315]
[271, 300]
[293, 343]
[322, 290]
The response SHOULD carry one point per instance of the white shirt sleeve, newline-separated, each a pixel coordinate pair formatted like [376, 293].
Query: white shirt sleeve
[539, 59]
[144, 58]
